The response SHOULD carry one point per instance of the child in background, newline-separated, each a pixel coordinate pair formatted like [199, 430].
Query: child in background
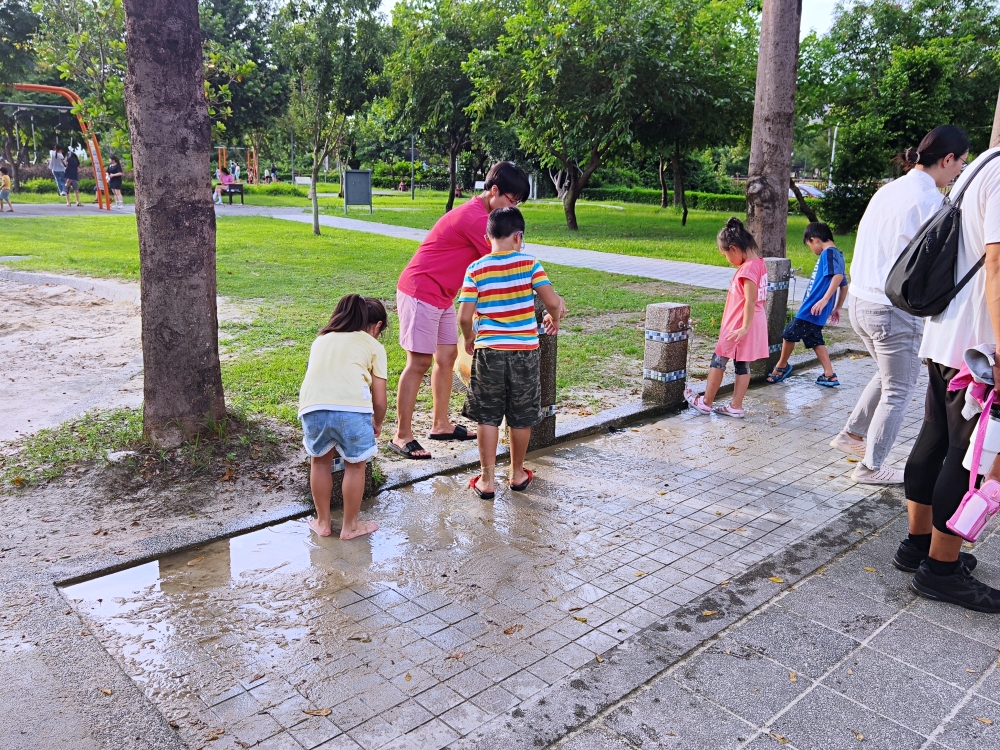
[498, 296]
[342, 405]
[824, 297]
[5, 189]
[743, 333]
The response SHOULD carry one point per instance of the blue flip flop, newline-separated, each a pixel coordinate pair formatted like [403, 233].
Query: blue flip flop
[830, 382]
[783, 372]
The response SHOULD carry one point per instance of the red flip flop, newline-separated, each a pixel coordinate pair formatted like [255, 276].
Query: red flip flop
[482, 495]
[523, 485]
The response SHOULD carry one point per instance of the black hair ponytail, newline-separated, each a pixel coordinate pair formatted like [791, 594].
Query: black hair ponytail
[735, 234]
[935, 146]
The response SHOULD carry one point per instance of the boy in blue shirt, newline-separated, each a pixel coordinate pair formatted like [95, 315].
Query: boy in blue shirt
[824, 297]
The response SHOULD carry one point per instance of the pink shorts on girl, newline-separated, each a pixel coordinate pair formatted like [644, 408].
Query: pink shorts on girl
[423, 327]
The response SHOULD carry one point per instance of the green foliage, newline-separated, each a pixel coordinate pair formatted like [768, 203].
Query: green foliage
[845, 204]
[276, 188]
[730, 204]
[17, 25]
[43, 186]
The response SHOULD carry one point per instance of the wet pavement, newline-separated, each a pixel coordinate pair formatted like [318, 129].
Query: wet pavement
[457, 614]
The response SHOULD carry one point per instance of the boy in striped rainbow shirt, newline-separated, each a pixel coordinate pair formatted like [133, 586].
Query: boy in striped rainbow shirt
[498, 298]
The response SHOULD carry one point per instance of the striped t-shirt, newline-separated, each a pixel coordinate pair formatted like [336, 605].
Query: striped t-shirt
[501, 286]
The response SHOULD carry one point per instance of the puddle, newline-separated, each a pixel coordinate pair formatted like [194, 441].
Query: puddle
[460, 609]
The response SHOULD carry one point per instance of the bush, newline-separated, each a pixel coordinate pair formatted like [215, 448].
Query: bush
[844, 205]
[277, 188]
[38, 185]
[731, 204]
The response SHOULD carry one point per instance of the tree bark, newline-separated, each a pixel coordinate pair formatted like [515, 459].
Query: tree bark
[773, 120]
[453, 151]
[679, 197]
[663, 182]
[171, 149]
[995, 135]
[803, 206]
[313, 187]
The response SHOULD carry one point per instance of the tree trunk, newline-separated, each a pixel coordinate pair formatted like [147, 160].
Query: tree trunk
[452, 177]
[663, 182]
[803, 206]
[569, 207]
[773, 119]
[313, 192]
[679, 184]
[995, 135]
[171, 150]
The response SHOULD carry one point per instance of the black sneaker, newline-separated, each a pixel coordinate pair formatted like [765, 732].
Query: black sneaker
[909, 556]
[959, 588]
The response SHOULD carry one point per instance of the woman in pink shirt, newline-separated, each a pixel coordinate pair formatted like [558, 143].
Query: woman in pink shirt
[425, 304]
[225, 179]
[743, 333]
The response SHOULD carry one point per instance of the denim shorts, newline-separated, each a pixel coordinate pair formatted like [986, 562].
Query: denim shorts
[350, 432]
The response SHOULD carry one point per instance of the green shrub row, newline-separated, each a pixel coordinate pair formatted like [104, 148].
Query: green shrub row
[40, 185]
[277, 188]
[733, 204]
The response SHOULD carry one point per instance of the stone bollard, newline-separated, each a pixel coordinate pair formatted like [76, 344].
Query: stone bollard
[544, 433]
[664, 368]
[779, 273]
[337, 469]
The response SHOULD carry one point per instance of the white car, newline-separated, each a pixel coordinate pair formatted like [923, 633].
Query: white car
[808, 191]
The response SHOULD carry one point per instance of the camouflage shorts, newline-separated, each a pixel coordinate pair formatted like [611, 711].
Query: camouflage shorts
[507, 384]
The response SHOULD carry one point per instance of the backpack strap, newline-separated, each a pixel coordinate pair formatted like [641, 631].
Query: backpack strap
[961, 193]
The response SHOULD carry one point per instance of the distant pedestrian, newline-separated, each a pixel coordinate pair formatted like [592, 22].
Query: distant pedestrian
[274, 173]
[498, 300]
[824, 297]
[743, 333]
[57, 165]
[73, 177]
[892, 336]
[114, 174]
[236, 172]
[342, 405]
[5, 189]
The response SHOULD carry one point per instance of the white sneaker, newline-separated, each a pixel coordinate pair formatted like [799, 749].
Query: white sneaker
[886, 475]
[849, 445]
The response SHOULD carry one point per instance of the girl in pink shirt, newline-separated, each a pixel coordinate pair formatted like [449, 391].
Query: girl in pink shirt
[743, 333]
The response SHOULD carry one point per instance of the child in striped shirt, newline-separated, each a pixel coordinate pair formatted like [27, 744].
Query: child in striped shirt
[498, 298]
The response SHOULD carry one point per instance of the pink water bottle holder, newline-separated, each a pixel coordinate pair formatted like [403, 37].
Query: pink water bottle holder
[978, 505]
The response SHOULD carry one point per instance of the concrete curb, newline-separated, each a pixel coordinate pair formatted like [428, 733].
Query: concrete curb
[108, 290]
[591, 690]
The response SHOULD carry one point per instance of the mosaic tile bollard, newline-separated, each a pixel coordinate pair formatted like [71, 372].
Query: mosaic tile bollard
[664, 367]
[544, 434]
[779, 274]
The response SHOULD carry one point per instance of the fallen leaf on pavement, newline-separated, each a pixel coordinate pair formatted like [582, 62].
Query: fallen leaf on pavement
[580, 619]
[106, 691]
[318, 711]
[258, 676]
[850, 671]
[195, 561]
[869, 570]
[971, 671]
[984, 720]
[860, 737]
[18, 481]
[776, 579]
[408, 677]
[640, 573]
[574, 609]
[457, 655]
[228, 476]
[779, 738]
[852, 460]
[793, 677]
[513, 629]
[599, 659]
[724, 583]
[709, 612]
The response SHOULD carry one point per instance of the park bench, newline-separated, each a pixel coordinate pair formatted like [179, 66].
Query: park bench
[235, 188]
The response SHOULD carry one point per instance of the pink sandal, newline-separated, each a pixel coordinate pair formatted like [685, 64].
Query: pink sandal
[729, 411]
[697, 401]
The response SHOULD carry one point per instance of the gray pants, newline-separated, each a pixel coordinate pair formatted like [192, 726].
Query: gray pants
[893, 338]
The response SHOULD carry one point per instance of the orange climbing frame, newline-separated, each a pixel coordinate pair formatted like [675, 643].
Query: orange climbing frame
[103, 193]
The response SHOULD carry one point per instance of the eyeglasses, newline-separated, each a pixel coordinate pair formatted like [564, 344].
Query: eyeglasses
[513, 201]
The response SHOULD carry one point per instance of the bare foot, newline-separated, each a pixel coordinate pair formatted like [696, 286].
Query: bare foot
[360, 529]
[401, 443]
[321, 529]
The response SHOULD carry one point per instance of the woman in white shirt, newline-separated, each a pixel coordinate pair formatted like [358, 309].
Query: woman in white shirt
[936, 481]
[894, 215]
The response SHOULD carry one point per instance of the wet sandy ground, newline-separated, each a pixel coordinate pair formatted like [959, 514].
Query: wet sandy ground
[457, 611]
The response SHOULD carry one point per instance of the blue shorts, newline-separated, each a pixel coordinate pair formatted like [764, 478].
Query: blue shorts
[810, 334]
[350, 432]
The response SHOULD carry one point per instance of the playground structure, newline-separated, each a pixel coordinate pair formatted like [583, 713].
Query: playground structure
[253, 168]
[89, 137]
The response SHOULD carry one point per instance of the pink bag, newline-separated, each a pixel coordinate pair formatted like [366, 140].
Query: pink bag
[978, 505]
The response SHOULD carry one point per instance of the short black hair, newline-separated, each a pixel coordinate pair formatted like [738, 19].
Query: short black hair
[817, 230]
[3, 170]
[510, 180]
[504, 222]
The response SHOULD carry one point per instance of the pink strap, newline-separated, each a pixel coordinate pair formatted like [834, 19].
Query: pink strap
[977, 451]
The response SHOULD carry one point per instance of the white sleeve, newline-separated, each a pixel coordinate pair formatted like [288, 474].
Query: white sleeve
[991, 218]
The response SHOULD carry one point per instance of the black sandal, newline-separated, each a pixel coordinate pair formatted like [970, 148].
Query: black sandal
[459, 433]
[407, 450]
[482, 495]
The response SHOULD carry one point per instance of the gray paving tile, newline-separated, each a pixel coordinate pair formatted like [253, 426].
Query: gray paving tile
[738, 678]
[837, 607]
[430, 736]
[801, 645]
[667, 716]
[900, 692]
[281, 741]
[941, 652]
[825, 721]
[598, 738]
[967, 731]
[314, 731]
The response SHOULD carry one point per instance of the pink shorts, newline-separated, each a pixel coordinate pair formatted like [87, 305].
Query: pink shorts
[423, 327]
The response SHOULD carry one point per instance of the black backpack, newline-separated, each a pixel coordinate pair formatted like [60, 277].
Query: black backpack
[922, 280]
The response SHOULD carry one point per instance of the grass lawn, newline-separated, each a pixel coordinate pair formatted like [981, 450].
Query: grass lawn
[290, 280]
[624, 228]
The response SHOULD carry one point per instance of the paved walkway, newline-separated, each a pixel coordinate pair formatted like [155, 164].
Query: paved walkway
[487, 625]
[680, 272]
